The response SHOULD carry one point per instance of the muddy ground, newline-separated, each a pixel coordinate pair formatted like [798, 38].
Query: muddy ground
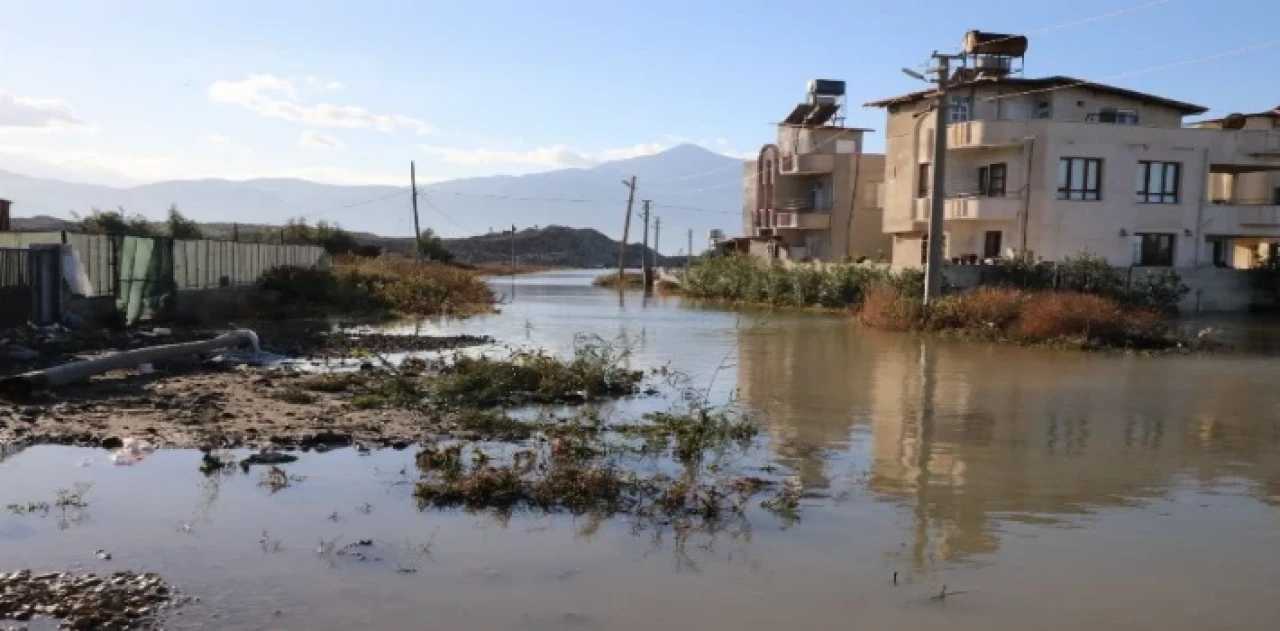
[196, 403]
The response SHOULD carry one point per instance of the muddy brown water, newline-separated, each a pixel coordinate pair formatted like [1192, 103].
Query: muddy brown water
[1045, 489]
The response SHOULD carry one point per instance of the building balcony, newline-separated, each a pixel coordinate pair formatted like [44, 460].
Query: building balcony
[971, 208]
[787, 220]
[990, 134]
[1242, 218]
[1261, 143]
[807, 164]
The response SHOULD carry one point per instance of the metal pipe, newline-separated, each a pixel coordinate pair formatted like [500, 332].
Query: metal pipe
[81, 370]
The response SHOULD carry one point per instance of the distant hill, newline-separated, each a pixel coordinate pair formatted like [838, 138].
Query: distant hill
[559, 246]
[691, 189]
[552, 245]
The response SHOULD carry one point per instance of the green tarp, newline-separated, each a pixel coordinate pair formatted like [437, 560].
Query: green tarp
[144, 269]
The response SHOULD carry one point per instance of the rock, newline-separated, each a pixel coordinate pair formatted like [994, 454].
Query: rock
[112, 442]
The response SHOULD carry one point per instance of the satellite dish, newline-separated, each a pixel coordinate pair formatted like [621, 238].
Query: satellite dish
[1233, 121]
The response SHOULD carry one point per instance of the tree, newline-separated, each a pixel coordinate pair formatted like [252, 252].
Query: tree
[182, 228]
[430, 246]
[116, 222]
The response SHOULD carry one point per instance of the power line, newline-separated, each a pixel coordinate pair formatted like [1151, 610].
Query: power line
[352, 205]
[432, 205]
[1088, 20]
[1177, 64]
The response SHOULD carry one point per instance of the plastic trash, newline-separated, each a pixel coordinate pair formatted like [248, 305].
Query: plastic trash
[132, 452]
[146, 368]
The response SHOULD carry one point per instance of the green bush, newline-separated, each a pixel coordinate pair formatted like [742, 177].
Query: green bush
[1088, 273]
[740, 278]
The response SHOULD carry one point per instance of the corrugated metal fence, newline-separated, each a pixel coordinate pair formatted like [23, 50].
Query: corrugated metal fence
[208, 264]
[197, 264]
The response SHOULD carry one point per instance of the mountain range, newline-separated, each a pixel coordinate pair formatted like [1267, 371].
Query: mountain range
[691, 188]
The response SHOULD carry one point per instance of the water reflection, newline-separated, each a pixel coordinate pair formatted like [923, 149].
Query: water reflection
[968, 437]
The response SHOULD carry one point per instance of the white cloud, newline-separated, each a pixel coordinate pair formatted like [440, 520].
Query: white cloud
[312, 139]
[24, 113]
[278, 97]
[122, 169]
[217, 139]
[551, 157]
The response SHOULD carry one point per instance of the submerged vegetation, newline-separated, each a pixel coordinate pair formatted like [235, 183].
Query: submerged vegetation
[536, 377]
[629, 280]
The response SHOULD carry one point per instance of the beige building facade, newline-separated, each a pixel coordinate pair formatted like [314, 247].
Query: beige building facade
[1058, 166]
[814, 195]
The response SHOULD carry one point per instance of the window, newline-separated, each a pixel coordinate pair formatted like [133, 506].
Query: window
[1043, 110]
[923, 181]
[1154, 250]
[1080, 179]
[1220, 252]
[991, 244]
[1157, 182]
[1275, 195]
[961, 109]
[1117, 116]
[991, 180]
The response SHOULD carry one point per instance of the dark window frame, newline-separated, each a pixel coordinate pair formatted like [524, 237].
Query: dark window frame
[924, 179]
[1154, 255]
[1169, 192]
[993, 179]
[1085, 193]
[989, 252]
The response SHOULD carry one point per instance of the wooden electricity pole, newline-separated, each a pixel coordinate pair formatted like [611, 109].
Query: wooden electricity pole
[688, 259]
[644, 249]
[657, 232]
[413, 187]
[626, 228]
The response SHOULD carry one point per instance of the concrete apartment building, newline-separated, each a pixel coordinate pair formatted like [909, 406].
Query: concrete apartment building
[1056, 166]
[814, 195]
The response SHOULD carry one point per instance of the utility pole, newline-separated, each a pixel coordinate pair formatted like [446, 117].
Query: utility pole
[657, 232]
[688, 259]
[513, 249]
[644, 249]
[933, 271]
[413, 187]
[626, 228]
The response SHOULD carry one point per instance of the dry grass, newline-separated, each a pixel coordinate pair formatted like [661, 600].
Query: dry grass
[885, 308]
[984, 308]
[1051, 316]
[1028, 317]
[367, 285]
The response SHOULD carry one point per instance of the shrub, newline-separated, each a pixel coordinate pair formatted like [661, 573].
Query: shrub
[1084, 317]
[383, 284]
[885, 308]
[985, 308]
[740, 278]
[1088, 273]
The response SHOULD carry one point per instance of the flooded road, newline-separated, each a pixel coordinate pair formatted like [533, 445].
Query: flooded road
[1043, 489]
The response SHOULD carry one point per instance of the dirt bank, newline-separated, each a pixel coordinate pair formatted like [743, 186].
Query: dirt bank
[192, 403]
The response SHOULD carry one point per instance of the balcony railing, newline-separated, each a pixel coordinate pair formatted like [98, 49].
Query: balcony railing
[803, 221]
[806, 204]
[1248, 212]
[806, 163]
[971, 208]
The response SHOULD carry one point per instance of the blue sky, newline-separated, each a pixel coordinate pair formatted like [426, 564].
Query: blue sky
[348, 92]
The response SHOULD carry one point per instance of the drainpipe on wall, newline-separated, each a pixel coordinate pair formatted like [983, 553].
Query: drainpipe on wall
[915, 160]
[1026, 203]
[1199, 242]
[853, 203]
